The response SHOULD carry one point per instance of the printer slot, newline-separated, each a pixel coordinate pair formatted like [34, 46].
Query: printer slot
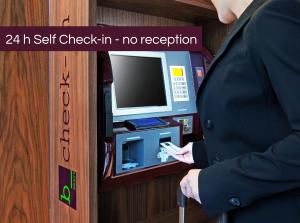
[132, 154]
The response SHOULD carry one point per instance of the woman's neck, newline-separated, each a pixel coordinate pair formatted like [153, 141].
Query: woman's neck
[239, 6]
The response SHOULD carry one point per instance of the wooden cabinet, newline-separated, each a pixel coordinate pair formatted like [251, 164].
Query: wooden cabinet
[48, 116]
[24, 121]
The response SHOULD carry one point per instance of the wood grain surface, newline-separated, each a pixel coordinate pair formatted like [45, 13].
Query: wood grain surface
[79, 68]
[23, 121]
[206, 4]
[184, 10]
[214, 34]
[119, 17]
[153, 201]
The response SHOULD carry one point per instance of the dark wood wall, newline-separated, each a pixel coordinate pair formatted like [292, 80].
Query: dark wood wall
[155, 200]
[117, 17]
[23, 121]
[213, 34]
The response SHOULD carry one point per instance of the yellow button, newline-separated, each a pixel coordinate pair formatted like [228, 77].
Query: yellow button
[178, 72]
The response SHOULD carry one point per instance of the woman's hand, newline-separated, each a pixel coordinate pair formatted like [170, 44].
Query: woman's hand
[185, 154]
[189, 185]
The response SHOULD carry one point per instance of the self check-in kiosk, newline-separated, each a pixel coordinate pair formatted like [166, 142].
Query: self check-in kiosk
[146, 98]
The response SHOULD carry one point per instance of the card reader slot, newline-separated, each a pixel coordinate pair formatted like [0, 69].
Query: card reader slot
[133, 138]
[165, 133]
[165, 139]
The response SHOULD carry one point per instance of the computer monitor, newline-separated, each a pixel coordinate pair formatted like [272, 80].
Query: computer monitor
[140, 83]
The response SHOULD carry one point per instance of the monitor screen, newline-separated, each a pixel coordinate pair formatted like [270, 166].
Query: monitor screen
[138, 81]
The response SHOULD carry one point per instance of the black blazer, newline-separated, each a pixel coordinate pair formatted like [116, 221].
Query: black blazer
[249, 106]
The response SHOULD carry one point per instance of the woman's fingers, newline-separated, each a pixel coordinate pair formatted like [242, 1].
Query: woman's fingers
[182, 158]
[184, 155]
[173, 154]
[189, 191]
[182, 151]
[185, 149]
[186, 187]
[183, 185]
[178, 157]
[189, 185]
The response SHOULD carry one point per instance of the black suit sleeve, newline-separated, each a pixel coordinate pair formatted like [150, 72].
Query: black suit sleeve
[199, 154]
[240, 181]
